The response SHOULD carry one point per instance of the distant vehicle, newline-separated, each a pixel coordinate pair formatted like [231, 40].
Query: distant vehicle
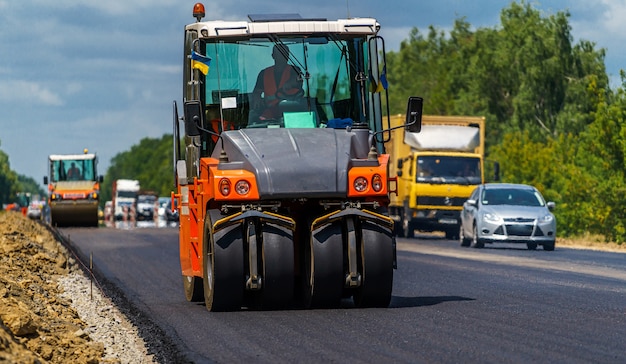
[123, 197]
[145, 205]
[108, 211]
[437, 169]
[169, 214]
[507, 213]
[73, 189]
[162, 205]
[35, 209]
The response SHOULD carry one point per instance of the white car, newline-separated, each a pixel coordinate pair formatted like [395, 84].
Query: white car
[34, 210]
[162, 206]
[507, 213]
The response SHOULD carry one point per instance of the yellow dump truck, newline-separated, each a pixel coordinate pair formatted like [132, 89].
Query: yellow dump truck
[436, 170]
[73, 189]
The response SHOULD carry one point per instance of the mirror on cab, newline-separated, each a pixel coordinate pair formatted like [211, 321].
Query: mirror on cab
[193, 117]
[496, 171]
[414, 114]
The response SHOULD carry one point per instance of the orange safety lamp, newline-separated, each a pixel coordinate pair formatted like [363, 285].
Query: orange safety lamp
[198, 11]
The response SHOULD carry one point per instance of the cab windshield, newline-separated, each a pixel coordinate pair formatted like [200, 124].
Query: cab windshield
[446, 169]
[286, 82]
[72, 170]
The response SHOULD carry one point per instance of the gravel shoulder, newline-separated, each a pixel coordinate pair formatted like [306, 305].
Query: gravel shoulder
[51, 312]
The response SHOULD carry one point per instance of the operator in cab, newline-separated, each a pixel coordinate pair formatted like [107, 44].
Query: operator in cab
[73, 174]
[282, 81]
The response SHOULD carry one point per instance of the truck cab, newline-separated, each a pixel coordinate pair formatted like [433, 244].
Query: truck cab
[437, 169]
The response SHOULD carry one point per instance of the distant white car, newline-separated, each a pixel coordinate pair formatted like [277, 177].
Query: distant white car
[34, 210]
[162, 206]
[108, 211]
[507, 213]
[144, 207]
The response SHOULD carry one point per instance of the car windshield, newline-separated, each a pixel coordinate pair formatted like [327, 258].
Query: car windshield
[512, 196]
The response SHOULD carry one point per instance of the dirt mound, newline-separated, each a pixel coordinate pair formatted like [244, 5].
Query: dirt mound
[37, 324]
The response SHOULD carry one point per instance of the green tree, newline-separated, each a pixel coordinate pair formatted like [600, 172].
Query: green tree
[9, 185]
[28, 184]
[552, 120]
[520, 75]
[150, 162]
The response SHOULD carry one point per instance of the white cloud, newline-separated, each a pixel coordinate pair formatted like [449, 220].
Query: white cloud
[25, 91]
[613, 19]
[112, 7]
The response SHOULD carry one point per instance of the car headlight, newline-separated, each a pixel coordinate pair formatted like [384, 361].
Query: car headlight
[546, 218]
[490, 217]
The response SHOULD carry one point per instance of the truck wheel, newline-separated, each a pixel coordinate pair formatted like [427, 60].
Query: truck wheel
[277, 262]
[223, 273]
[376, 267]
[398, 225]
[194, 292]
[408, 227]
[324, 267]
[452, 234]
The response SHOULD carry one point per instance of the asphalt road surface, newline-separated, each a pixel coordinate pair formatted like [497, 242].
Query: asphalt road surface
[501, 304]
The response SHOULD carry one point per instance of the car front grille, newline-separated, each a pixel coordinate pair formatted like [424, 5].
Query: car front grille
[519, 230]
[518, 220]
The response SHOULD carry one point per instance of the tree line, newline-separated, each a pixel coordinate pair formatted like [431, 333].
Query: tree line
[12, 183]
[553, 121]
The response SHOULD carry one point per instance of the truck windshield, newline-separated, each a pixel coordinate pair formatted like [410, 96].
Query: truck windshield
[446, 169]
[287, 82]
[72, 170]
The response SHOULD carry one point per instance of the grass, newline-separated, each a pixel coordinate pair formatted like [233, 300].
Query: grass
[591, 242]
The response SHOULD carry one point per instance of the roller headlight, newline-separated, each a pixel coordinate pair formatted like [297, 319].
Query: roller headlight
[377, 183]
[224, 187]
[360, 184]
[242, 187]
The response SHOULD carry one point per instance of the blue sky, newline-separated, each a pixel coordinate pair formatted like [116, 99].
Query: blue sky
[102, 75]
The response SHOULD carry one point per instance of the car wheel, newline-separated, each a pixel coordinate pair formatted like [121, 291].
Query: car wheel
[531, 246]
[476, 242]
[465, 241]
[548, 246]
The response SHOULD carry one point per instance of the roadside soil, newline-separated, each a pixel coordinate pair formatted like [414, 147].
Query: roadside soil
[44, 298]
